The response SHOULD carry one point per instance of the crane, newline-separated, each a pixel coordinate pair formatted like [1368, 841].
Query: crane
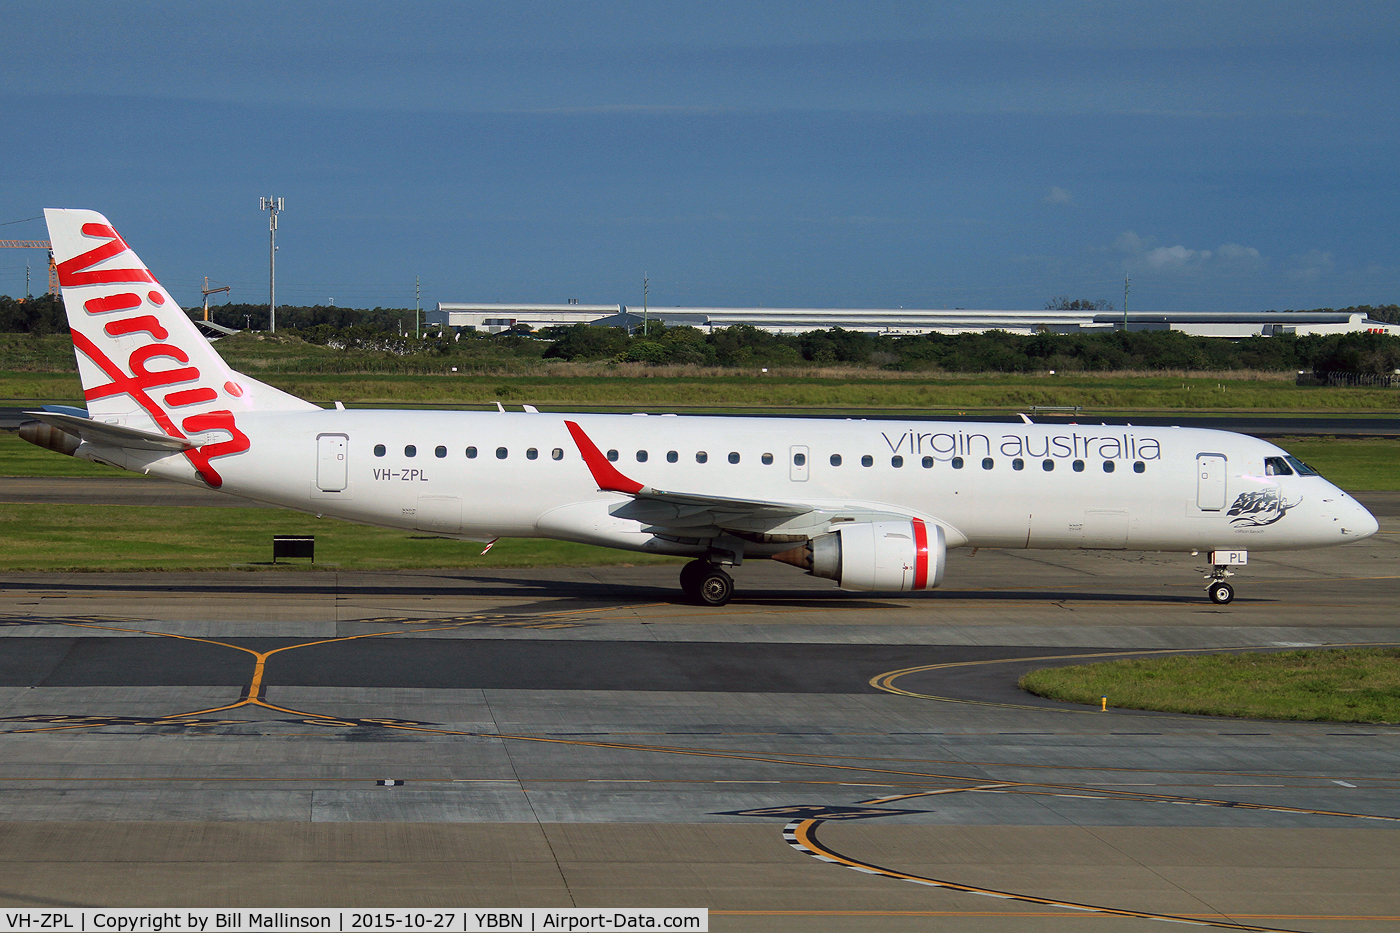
[37, 244]
[207, 291]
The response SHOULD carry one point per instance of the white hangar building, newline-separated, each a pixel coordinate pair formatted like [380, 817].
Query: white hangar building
[494, 318]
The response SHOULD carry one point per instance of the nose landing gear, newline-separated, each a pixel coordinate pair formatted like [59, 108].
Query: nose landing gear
[706, 584]
[1220, 592]
[1217, 589]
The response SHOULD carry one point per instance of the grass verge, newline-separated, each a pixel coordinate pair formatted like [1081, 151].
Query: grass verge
[1336, 685]
[864, 390]
[150, 538]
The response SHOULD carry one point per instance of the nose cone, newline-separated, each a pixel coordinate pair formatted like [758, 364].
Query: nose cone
[1359, 523]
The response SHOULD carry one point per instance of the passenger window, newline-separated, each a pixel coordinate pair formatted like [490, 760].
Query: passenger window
[557, 453]
[928, 463]
[767, 459]
[612, 455]
[1047, 465]
[733, 457]
[410, 451]
[532, 454]
[867, 460]
[896, 461]
[835, 459]
[957, 463]
[1078, 466]
[1139, 467]
[502, 453]
[701, 456]
[1108, 466]
[439, 452]
[1018, 464]
[641, 456]
[988, 463]
[471, 453]
[672, 456]
[379, 450]
[799, 459]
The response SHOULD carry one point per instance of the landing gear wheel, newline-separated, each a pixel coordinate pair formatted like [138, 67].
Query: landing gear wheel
[1220, 593]
[692, 575]
[716, 588]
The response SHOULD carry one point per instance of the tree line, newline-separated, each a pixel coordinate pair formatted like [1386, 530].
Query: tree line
[387, 331]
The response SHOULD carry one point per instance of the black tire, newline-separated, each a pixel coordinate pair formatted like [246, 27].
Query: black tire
[692, 575]
[716, 588]
[1220, 593]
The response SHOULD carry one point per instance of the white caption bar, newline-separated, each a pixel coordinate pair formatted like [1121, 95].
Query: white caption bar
[349, 920]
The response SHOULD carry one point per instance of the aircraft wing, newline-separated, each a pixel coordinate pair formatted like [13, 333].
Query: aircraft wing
[681, 511]
[110, 435]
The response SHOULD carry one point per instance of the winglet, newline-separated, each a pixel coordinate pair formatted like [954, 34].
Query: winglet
[604, 473]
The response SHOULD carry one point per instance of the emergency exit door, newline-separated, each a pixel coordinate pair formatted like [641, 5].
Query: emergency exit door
[798, 467]
[1210, 482]
[331, 462]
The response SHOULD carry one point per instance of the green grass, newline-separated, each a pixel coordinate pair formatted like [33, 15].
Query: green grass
[858, 390]
[105, 538]
[1338, 685]
[1357, 464]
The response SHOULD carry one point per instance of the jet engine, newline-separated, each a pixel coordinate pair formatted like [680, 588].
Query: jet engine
[883, 556]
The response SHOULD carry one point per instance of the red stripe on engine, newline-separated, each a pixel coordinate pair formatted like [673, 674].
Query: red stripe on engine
[920, 554]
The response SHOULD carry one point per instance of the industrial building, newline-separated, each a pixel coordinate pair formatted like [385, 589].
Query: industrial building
[494, 318]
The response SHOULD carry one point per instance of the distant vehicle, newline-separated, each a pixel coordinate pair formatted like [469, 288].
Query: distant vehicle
[873, 505]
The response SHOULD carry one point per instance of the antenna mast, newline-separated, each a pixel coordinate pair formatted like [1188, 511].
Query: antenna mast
[274, 206]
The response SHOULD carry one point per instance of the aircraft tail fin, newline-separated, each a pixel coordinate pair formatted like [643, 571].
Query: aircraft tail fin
[142, 362]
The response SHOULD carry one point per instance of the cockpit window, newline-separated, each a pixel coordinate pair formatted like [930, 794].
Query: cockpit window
[1302, 468]
[1277, 466]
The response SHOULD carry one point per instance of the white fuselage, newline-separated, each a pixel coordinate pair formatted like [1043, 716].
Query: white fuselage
[988, 484]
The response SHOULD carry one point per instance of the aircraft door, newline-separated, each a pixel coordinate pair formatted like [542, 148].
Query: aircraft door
[799, 464]
[331, 462]
[1210, 482]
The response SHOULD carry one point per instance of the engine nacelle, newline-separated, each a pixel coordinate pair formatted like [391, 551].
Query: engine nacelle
[883, 556]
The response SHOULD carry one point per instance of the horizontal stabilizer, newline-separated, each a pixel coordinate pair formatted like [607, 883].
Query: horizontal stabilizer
[110, 435]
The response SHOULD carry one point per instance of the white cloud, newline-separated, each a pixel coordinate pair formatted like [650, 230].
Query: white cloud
[1143, 253]
[1312, 264]
[1059, 196]
[1174, 257]
[1234, 252]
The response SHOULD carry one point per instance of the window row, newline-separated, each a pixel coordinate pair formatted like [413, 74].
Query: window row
[798, 459]
[502, 453]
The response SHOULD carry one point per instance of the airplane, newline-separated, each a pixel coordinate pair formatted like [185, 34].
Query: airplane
[874, 505]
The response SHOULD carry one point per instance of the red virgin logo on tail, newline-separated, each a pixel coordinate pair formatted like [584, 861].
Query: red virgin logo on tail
[138, 380]
[73, 271]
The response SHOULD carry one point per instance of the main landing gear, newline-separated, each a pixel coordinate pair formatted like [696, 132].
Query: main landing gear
[705, 583]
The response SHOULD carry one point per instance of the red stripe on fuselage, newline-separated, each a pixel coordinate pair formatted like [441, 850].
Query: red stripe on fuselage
[920, 554]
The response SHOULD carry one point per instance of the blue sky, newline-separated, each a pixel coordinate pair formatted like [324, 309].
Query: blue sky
[1225, 156]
